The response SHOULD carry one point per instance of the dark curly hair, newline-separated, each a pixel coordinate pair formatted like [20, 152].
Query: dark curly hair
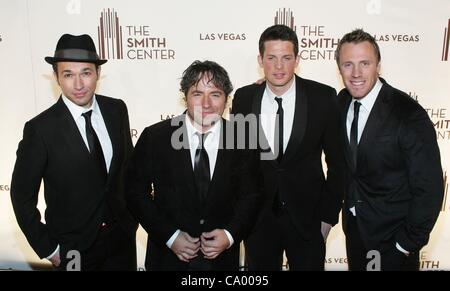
[212, 70]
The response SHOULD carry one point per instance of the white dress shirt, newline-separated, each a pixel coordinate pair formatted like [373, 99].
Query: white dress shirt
[367, 103]
[269, 108]
[211, 145]
[97, 123]
[211, 142]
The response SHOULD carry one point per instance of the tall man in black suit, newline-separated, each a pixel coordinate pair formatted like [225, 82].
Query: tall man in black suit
[188, 186]
[79, 147]
[298, 120]
[395, 184]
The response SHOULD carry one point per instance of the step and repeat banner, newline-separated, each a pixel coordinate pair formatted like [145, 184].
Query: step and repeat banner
[150, 43]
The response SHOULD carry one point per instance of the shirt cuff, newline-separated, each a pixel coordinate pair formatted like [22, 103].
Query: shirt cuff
[172, 239]
[353, 210]
[54, 253]
[401, 249]
[230, 238]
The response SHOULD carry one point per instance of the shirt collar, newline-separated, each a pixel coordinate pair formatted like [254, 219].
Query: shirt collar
[192, 130]
[77, 110]
[368, 101]
[287, 96]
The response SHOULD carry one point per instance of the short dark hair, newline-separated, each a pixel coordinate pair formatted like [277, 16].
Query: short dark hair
[212, 70]
[357, 36]
[55, 68]
[278, 32]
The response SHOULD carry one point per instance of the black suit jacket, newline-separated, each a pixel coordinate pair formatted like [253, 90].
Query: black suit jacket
[309, 196]
[398, 177]
[53, 150]
[158, 167]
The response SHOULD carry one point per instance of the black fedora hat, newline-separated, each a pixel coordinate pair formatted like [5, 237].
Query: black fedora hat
[75, 48]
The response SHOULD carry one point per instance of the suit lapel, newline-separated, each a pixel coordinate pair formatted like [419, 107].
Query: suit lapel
[379, 113]
[300, 120]
[112, 122]
[256, 109]
[220, 165]
[182, 161]
[70, 130]
[347, 99]
[257, 98]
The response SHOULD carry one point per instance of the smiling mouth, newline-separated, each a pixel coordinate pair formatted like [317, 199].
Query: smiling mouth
[357, 83]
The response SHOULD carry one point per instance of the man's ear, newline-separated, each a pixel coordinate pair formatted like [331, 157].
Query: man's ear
[55, 74]
[99, 69]
[260, 61]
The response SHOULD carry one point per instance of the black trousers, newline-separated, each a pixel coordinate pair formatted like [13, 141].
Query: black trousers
[264, 247]
[113, 250]
[391, 259]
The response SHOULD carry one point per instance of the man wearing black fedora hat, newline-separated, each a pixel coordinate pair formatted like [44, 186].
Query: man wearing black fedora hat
[79, 147]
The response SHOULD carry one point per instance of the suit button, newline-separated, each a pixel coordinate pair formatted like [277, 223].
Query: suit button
[202, 221]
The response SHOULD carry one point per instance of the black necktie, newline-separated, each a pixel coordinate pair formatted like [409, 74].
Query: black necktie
[95, 147]
[279, 129]
[354, 132]
[201, 167]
